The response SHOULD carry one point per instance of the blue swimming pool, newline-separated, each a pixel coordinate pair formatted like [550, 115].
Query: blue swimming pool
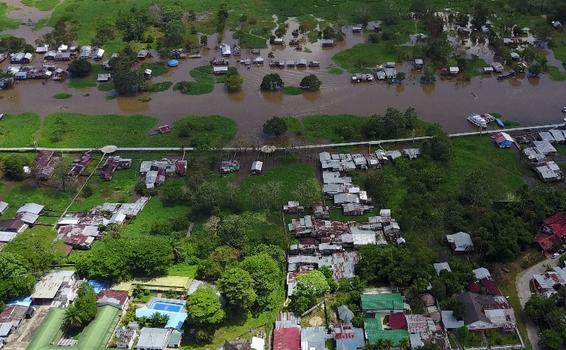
[162, 305]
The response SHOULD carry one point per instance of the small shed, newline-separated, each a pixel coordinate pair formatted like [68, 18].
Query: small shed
[218, 70]
[257, 167]
[327, 43]
[419, 63]
[503, 140]
[103, 77]
[454, 70]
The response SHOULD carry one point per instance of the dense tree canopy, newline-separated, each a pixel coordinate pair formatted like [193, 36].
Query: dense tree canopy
[238, 287]
[310, 286]
[80, 68]
[205, 308]
[310, 83]
[272, 82]
[15, 276]
[266, 275]
[275, 126]
[82, 311]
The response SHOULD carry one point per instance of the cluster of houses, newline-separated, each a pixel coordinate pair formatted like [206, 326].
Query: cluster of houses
[299, 63]
[156, 171]
[540, 150]
[322, 242]
[80, 230]
[552, 233]
[112, 164]
[26, 216]
[338, 186]
[548, 282]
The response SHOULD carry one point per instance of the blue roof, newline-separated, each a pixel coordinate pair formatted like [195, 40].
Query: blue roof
[26, 301]
[98, 285]
[176, 319]
[172, 63]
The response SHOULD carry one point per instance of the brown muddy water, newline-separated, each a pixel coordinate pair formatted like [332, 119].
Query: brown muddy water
[448, 102]
[28, 17]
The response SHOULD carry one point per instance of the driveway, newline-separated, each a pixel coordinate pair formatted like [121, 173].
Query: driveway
[522, 283]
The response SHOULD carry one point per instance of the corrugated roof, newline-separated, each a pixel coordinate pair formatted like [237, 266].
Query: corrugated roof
[382, 302]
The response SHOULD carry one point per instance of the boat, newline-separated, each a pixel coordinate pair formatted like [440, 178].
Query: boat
[563, 109]
[477, 120]
[499, 122]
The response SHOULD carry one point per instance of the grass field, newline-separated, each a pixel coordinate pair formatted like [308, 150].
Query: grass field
[19, 130]
[5, 21]
[88, 81]
[157, 68]
[363, 56]
[292, 90]
[160, 87]
[556, 74]
[155, 212]
[42, 5]
[62, 96]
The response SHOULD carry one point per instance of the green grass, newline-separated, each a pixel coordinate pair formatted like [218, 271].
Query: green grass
[292, 90]
[335, 71]
[183, 270]
[18, 130]
[556, 74]
[81, 130]
[5, 21]
[202, 84]
[365, 56]
[62, 96]
[473, 67]
[330, 127]
[157, 68]
[201, 131]
[88, 81]
[294, 125]
[252, 41]
[159, 87]
[155, 212]
[106, 86]
[42, 5]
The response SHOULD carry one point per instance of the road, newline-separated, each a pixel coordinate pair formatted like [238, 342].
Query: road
[522, 283]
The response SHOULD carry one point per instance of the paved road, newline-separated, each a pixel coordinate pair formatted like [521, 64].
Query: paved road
[522, 283]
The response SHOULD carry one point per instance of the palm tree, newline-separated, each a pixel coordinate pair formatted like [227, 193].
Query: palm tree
[388, 344]
[72, 318]
[404, 344]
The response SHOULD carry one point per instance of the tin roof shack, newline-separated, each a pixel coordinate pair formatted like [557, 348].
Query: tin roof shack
[552, 232]
[321, 212]
[156, 171]
[153, 339]
[143, 54]
[549, 172]
[548, 283]
[125, 336]
[293, 207]
[86, 51]
[327, 42]
[229, 166]
[356, 209]
[503, 140]
[460, 242]
[57, 289]
[45, 163]
[441, 266]
[112, 164]
[80, 164]
[313, 338]
[348, 337]
[256, 168]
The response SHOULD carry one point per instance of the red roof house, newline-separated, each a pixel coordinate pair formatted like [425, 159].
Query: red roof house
[287, 338]
[555, 225]
[116, 298]
[397, 320]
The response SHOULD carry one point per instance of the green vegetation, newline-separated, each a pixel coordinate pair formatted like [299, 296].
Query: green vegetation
[202, 131]
[203, 82]
[5, 21]
[556, 74]
[42, 5]
[362, 57]
[87, 81]
[62, 96]
[292, 90]
[157, 68]
[106, 86]
[159, 87]
[18, 130]
[335, 71]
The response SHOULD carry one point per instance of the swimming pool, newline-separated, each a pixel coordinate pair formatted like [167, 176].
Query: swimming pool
[165, 305]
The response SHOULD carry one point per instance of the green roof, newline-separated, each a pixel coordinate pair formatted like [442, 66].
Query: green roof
[93, 337]
[375, 332]
[382, 302]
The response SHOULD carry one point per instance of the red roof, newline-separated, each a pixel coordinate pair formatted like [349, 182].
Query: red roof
[397, 321]
[490, 286]
[287, 339]
[119, 295]
[546, 242]
[474, 287]
[557, 224]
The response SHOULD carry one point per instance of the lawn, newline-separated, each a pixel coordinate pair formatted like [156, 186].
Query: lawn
[157, 68]
[202, 132]
[556, 74]
[88, 81]
[42, 5]
[362, 57]
[106, 86]
[183, 270]
[81, 130]
[333, 128]
[202, 83]
[19, 130]
[5, 21]
[292, 90]
[62, 96]
[159, 87]
[155, 212]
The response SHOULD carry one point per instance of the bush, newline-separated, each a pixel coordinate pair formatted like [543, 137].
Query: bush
[80, 68]
[272, 82]
[310, 82]
[275, 126]
[14, 168]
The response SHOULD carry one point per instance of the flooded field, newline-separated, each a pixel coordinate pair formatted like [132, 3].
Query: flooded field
[448, 102]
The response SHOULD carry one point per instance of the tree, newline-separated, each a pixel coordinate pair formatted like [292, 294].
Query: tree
[221, 258]
[438, 148]
[14, 167]
[310, 83]
[83, 310]
[266, 276]
[232, 231]
[132, 24]
[428, 77]
[80, 68]
[238, 287]
[272, 82]
[474, 191]
[480, 14]
[420, 8]
[127, 82]
[149, 256]
[275, 126]
[204, 40]
[15, 277]
[174, 34]
[233, 80]
[310, 286]
[205, 308]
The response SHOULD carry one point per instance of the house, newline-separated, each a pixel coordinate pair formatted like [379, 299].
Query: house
[552, 231]
[460, 242]
[357, 28]
[327, 42]
[219, 70]
[86, 51]
[348, 337]
[225, 50]
[45, 163]
[143, 54]
[125, 336]
[99, 54]
[544, 147]
[42, 49]
[313, 338]
[549, 171]
[278, 41]
[450, 321]
[384, 318]
[256, 167]
[546, 136]
[548, 283]
[112, 164]
[16, 225]
[454, 70]
[293, 207]
[116, 298]
[287, 338]
[558, 135]
[356, 209]
[484, 312]
[229, 166]
[57, 288]
[103, 77]
[503, 140]
[153, 339]
[442, 266]
[533, 155]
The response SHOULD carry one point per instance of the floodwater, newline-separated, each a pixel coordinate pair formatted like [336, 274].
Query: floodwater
[448, 102]
[28, 17]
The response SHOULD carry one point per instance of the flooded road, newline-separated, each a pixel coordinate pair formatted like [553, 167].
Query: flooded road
[448, 102]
